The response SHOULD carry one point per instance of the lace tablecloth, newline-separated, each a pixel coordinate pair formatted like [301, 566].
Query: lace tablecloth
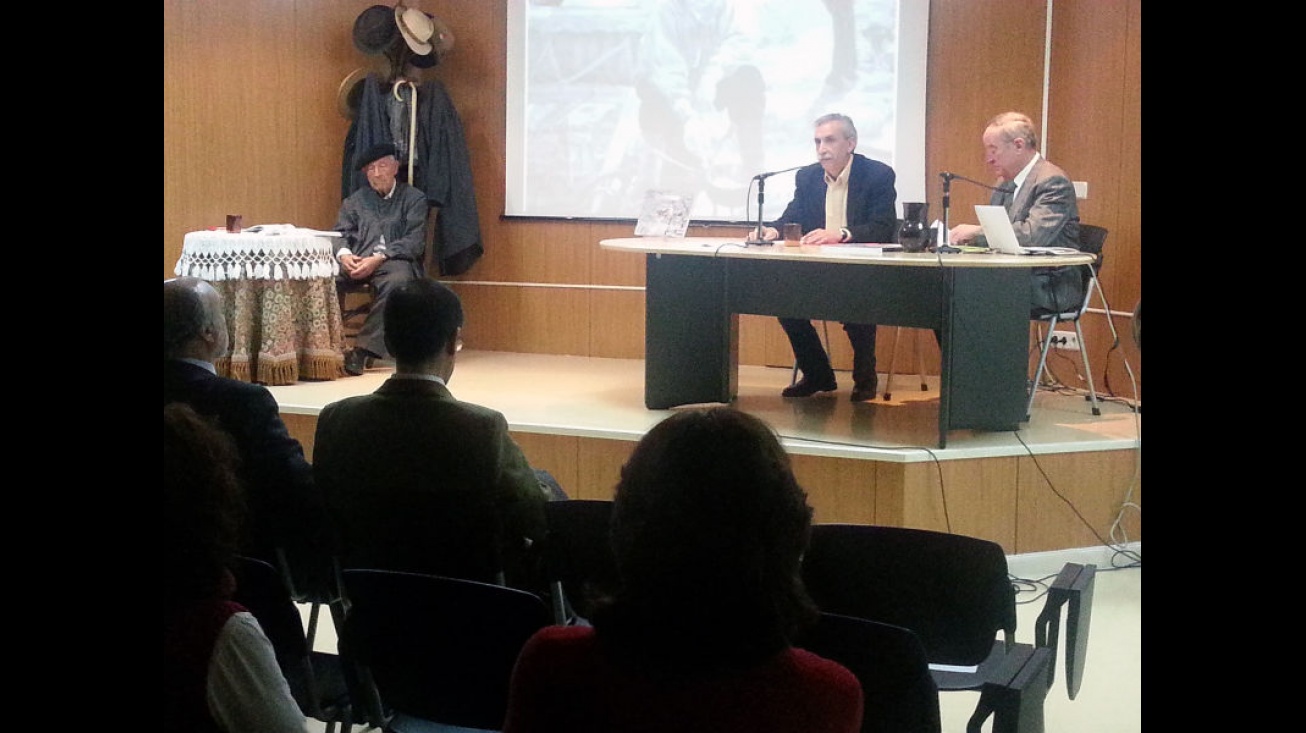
[278, 286]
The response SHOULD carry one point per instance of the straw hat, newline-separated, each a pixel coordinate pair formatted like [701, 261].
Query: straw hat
[416, 27]
[350, 94]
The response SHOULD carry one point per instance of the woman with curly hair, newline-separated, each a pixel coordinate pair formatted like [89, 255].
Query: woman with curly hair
[708, 530]
[220, 672]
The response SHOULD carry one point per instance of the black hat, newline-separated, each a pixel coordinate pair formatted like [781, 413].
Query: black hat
[375, 30]
[375, 153]
[425, 61]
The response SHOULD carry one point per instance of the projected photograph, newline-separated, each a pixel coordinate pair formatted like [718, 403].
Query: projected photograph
[612, 99]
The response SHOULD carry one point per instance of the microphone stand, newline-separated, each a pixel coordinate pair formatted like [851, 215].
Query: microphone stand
[755, 238]
[947, 199]
[947, 204]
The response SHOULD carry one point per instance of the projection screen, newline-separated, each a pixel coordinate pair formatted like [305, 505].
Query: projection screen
[609, 99]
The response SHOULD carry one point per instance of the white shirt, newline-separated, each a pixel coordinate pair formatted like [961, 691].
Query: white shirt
[836, 198]
[426, 377]
[246, 690]
[1019, 180]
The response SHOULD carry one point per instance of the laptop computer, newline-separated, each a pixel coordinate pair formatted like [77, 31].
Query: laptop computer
[1001, 235]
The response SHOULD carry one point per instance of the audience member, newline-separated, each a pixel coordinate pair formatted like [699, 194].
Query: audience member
[844, 197]
[1041, 202]
[419, 481]
[384, 229]
[709, 526]
[287, 515]
[220, 672]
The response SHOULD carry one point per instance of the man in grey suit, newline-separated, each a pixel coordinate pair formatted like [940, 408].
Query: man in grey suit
[1040, 199]
[416, 480]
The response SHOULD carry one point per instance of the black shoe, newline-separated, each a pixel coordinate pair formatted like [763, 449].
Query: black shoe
[355, 362]
[806, 387]
[865, 391]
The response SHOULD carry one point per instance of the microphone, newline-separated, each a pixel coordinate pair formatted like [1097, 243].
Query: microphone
[755, 238]
[947, 200]
[764, 176]
[946, 176]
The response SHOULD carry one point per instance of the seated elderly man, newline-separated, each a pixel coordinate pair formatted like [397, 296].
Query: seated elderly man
[383, 225]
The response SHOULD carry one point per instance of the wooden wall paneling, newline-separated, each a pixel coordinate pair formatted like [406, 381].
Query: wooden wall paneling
[302, 428]
[533, 320]
[557, 454]
[599, 467]
[838, 490]
[1127, 287]
[1071, 500]
[981, 499]
[324, 56]
[616, 320]
[762, 342]
[985, 57]
[1093, 133]
[1006, 500]
[613, 268]
[528, 253]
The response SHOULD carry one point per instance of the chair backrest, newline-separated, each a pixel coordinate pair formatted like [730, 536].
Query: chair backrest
[317, 680]
[899, 695]
[1092, 240]
[438, 649]
[577, 552]
[953, 591]
[1073, 589]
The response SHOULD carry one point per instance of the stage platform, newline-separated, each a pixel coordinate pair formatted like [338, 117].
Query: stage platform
[1067, 479]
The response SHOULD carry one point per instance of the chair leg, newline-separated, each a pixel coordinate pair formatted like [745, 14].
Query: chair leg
[1088, 371]
[1042, 362]
[918, 354]
[559, 604]
[893, 364]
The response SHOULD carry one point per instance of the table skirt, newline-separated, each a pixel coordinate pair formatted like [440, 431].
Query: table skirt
[282, 331]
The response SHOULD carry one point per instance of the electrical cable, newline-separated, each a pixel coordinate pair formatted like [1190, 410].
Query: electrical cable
[1117, 546]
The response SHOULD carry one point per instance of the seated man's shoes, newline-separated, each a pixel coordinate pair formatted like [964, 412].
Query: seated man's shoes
[807, 386]
[355, 362]
[865, 391]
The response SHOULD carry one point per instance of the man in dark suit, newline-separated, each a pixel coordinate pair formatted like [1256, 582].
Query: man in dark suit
[1040, 200]
[418, 481]
[286, 512]
[844, 197]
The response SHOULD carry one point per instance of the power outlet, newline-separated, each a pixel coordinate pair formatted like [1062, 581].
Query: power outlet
[1068, 340]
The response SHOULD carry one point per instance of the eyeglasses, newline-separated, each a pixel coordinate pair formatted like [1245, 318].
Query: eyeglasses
[378, 166]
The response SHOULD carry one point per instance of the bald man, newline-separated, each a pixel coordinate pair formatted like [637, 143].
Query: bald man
[285, 509]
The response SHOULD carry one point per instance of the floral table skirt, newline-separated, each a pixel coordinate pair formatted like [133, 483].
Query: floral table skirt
[282, 331]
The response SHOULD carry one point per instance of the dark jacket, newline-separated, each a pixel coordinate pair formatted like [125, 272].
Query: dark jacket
[416, 480]
[285, 508]
[871, 214]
